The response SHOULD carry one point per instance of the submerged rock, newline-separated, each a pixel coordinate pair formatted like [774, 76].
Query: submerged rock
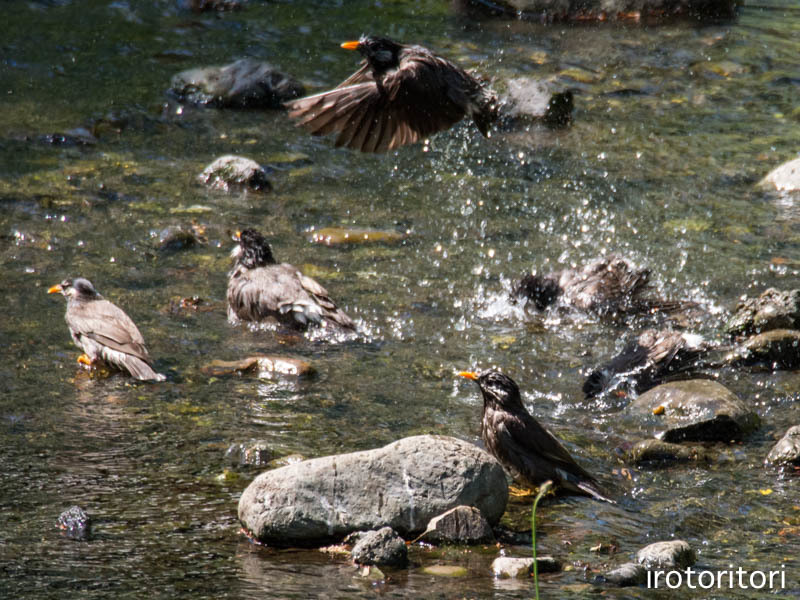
[787, 450]
[230, 171]
[381, 547]
[667, 555]
[775, 349]
[75, 523]
[460, 525]
[336, 236]
[658, 451]
[402, 486]
[697, 410]
[260, 365]
[626, 575]
[180, 237]
[785, 178]
[773, 309]
[532, 100]
[509, 567]
[245, 83]
[255, 454]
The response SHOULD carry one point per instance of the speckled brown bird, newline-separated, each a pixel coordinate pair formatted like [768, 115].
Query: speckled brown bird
[261, 289]
[400, 95]
[103, 331]
[610, 286]
[527, 450]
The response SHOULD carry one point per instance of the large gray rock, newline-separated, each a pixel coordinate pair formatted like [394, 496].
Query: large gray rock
[380, 547]
[245, 83]
[667, 555]
[698, 410]
[787, 450]
[402, 485]
[784, 178]
[460, 525]
[773, 309]
[775, 349]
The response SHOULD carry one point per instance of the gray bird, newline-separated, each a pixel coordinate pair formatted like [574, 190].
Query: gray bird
[400, 95]
[103, 331]
[261, 289]
[527, 450]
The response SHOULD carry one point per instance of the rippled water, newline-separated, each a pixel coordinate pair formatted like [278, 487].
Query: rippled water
[673, 126]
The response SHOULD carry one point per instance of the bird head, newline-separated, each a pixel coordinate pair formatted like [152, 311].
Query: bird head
[542, 290]
[382, 54]
[253, 250]
[79, 288]
[499, 391]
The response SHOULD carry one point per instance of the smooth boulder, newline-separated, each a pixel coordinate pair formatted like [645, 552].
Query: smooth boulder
[697, 410]
[775, 349]
[787, 450]
[667, 555]
[235, 172]
[784, 178]
[402, 486]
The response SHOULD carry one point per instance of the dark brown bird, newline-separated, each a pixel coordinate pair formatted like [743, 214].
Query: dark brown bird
[400, 95]
[608, 286]
[260, 289]
[103, 331]
[651, 358]
[529, 452]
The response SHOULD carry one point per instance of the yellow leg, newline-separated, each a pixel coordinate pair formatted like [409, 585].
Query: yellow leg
[85, 360]
[520, 492]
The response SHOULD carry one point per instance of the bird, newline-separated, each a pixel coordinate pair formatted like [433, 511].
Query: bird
[103, 331]
[261, 289]
[652, 357]
[527, 450]
[608, 286]
[400, 95]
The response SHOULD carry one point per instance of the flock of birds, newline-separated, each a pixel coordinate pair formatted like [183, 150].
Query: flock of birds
[400, 95]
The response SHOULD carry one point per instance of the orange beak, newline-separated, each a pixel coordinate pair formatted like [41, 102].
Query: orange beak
[55, 289]
[237, 235]
[469, 375]
[350, 45]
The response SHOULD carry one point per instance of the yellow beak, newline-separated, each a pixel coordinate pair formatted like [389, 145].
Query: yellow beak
[55, 289]
[350, 45]
[469, 375]
[237, 235]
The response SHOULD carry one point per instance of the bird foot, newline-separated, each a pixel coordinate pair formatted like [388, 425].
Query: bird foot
[83, 359]
[520, 492]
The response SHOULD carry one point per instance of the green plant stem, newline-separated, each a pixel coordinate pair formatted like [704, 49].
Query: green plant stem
[545, 487]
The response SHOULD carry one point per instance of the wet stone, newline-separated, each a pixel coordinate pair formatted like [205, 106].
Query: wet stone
[75, 523]
[626, 575]
[666, 555]
[784, 178]
[775, 349]
[253, 454]
[260, 365]
[380, 547]
[402, 486]
[773, 309]
[337, 236]
[460, 525]
[245, 83]
[507, 567]
[698, 410]
[655, 451]
[787, 450]
[445, 570]
[180, 237]
[531, 100]
[235, 172]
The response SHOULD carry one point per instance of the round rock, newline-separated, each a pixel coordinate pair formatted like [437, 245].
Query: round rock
[460, 525]
[784, 178]
[787, 450]
[75, 523]
[626, 575]
[380, 547]
[698, 410]
[231, 171]
[667, 555]
[402, 486]
[775, 349]
[773, 309]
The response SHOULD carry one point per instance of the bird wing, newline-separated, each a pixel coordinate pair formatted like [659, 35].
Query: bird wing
[108, 325]
[362, 75]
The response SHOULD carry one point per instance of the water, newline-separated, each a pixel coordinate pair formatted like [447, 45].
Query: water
[664, 175]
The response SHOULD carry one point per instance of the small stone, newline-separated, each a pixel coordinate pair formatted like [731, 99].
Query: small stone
[666, 555]
[626, 575]
[380, 547]
[510, 567]
[260, 365]
[254, 454]
[659, 451]
[787, 450]
[445, 570]
[231, 171]
[75, 523]
[785, 178]
[460, 525]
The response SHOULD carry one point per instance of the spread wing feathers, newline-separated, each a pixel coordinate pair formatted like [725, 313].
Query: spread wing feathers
[604, 284]
[410, 104]
[284, 293]
[109, 326]
[364, 74]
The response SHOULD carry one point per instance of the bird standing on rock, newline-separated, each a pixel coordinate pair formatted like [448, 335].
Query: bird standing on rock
[103, 331]
[261, 289]
[531, 454]
[400, 95]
